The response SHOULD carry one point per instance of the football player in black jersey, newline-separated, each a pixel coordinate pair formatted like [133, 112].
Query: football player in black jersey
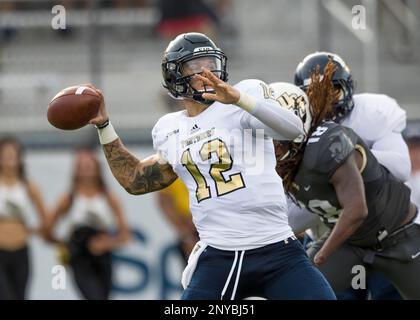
[378, 120]
[334, 175]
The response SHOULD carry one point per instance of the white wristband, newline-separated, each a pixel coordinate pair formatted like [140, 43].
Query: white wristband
[107, 134]
[246, 102]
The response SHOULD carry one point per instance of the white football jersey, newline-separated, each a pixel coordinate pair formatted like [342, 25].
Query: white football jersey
[236, 197]
[373, 116]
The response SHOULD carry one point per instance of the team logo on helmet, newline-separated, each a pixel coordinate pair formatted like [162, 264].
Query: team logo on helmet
[293, 98]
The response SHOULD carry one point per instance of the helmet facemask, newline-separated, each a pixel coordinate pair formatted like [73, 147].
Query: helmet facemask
[195, 87]
[345, 103]
[287, 149]
[182, 71]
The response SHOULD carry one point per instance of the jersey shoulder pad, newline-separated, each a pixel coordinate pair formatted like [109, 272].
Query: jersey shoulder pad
[256, 88]
[162, 128]
[328, 148]
[375, 115]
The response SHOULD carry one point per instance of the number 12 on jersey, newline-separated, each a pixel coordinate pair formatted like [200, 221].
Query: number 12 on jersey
[223, 185]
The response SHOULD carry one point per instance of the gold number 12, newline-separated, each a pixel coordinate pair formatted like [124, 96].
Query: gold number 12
[223, 186]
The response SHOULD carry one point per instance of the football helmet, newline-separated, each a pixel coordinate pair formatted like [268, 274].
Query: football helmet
[293, 98]
[341, 79]
[184, 57]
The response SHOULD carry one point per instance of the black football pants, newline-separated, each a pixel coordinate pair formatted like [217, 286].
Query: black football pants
[398, 260]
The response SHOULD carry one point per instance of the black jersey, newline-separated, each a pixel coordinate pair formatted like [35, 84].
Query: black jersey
[327, 149]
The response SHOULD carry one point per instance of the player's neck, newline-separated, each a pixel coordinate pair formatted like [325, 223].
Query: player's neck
[194, 108]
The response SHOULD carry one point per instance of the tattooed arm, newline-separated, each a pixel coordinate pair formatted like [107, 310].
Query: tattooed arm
[134, 175]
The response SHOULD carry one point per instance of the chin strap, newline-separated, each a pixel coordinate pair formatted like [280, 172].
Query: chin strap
[198, 96]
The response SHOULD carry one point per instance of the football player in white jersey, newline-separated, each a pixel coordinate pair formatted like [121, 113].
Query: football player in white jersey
[246, 246]
[376, 118]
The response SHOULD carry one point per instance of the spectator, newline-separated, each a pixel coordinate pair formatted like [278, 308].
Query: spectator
[92, 210]
[16, 194]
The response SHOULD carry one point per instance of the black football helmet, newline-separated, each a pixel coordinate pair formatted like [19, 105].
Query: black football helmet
[342, 79]
[184, 49]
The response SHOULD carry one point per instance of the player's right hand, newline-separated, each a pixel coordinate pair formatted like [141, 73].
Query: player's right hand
[102, 115]
[224, 92]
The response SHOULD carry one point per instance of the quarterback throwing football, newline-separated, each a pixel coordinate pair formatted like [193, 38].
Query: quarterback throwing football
[246, 247]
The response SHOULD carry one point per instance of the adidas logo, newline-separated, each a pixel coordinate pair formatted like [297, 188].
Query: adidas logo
[194, 128]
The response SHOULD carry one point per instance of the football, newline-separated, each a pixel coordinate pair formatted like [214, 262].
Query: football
[72, 108]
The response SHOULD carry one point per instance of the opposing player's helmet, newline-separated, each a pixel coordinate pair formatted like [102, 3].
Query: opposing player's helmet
[184, 50]
[342, 79]
[293, 98]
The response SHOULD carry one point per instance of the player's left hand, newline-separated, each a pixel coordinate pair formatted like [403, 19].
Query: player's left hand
[319, 258]
[224, 92]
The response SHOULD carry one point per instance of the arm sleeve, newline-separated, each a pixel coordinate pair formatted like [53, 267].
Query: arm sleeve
[277, 122]
[392, 152]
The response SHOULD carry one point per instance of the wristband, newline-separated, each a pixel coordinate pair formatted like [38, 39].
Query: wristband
[107, 134]
[246, 102]
[103, 125]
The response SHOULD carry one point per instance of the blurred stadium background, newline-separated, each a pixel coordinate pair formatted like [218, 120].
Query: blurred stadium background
[116, 46]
